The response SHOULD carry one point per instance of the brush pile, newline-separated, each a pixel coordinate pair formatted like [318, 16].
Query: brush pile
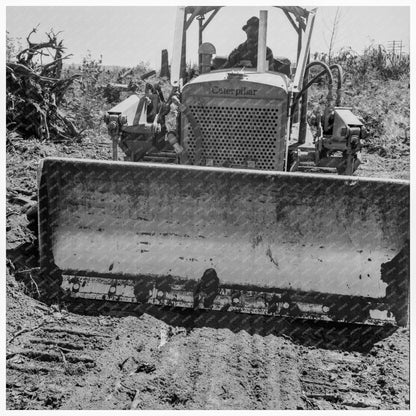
[35, 90]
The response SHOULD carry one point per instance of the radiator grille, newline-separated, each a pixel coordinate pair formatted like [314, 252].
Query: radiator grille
[232, 136]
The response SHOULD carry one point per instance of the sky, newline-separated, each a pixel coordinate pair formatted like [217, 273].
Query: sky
[127, 35]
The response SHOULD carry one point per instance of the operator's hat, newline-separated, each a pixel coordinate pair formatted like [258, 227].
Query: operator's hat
[253, 21]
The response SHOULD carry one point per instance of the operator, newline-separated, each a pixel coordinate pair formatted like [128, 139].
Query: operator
[246, 53]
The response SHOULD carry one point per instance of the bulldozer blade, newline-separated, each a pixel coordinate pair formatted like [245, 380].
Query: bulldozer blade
[274, 243]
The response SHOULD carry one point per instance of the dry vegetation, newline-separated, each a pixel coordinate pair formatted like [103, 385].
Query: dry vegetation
[52, 101]
[378, 90]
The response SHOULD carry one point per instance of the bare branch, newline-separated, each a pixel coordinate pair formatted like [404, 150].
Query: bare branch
[333, 34]
[34, 30]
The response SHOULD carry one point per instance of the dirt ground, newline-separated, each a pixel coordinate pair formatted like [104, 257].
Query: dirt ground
[169, 359]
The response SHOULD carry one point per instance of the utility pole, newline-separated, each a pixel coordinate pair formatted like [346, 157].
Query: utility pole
[395, 49]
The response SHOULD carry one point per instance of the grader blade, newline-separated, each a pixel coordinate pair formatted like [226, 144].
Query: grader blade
[300, 245]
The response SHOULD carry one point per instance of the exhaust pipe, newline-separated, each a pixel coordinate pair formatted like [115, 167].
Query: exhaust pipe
[261, 51]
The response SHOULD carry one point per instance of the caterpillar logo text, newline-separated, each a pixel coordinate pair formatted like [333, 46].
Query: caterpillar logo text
[235, 92]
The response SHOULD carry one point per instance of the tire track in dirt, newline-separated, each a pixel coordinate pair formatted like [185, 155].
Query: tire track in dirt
[343, 379]
[229, 370]
[109, 387]
[273, 373]
[226, 378]
[148, 363]
[202, 368]
[195, 371]
[50, 360]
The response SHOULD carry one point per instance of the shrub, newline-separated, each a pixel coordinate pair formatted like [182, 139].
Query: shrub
[375, 61]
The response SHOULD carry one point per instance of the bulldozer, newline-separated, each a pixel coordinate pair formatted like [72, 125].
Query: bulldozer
[230, 197]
